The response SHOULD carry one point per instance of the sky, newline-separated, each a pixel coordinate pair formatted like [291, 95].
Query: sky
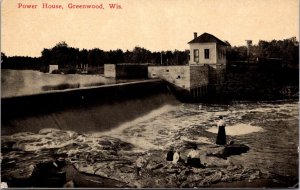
[157, 25]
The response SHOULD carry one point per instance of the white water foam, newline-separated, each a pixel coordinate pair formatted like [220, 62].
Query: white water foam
[142, 140]
[238, 129]
[122, 127]
[198, 140]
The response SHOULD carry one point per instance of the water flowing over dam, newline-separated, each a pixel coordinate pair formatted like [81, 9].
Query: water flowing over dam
[84, 110]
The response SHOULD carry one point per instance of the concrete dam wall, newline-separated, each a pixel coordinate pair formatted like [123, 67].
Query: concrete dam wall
[84, 110]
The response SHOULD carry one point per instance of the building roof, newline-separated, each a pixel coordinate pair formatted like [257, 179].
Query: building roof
[207, 38]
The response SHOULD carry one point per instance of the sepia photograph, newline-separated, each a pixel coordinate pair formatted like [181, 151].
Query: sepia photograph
[150, 94]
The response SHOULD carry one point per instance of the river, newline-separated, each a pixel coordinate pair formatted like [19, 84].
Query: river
[269, 129]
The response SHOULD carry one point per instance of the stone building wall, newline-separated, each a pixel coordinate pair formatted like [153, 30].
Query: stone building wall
[199, 76]
[177, 75]
[110, 70]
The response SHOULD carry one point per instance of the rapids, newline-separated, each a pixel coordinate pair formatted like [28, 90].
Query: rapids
[270, 129]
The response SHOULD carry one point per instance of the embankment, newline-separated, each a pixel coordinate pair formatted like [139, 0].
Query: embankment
[84, 110]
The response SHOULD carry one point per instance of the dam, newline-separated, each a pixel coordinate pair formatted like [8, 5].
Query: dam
[86, 109]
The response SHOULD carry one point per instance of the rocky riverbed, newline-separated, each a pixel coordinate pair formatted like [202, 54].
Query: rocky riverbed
[57, 158]
[61, 155]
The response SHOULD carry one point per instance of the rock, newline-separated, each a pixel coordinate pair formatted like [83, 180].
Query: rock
[239, 177]
[43, 174]
[216, 177]
[157, 166]
[141, 162]
[232, 168]
[24, 173]
[194, 162]
[186, 172]
[228, 150]
[235, 149]
[85, 168]
[245, 171]
[172, 171]
[276, 181]
[194, 178]
[4, 185]
[209, 172]
[204, 183]
[113, 143]
[185, 184]
[254, 176]
[69, 184]
[46, 131]
[101, 173]
[182, 177]
[226, 178]
[215, 162]
[7, 146]
[126, 169]
[48, 175]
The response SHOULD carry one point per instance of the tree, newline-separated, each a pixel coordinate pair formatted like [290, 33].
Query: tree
[3, 57]
[140, 55]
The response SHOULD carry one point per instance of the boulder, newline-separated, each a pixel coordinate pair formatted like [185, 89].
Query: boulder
[235, 149]
[156, 166]
[254, 176]
[48, 175]
[216, 177]
[21, 177]
[230, 149]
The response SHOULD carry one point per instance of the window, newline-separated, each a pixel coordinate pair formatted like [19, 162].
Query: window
[221, 54]
[206, 53]
[196, 55]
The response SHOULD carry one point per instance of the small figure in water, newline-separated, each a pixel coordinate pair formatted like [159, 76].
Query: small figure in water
[174, 156]
[170, 154]
[177, 158]
[193, 158]
[221, 137]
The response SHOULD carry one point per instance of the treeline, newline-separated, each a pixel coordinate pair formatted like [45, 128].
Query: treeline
[63, 55]
[20, 62]
[72, 58]
[286, 50]
[67, 57]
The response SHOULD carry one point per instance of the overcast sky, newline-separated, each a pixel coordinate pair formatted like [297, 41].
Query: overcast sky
[153, 24]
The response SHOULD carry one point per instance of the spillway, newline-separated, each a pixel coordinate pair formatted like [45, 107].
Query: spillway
[90, 109]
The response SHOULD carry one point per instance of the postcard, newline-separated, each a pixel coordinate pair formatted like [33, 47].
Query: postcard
[149, 94]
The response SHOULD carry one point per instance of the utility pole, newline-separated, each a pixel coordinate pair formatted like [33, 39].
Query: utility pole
[161, 57]
[249, 43]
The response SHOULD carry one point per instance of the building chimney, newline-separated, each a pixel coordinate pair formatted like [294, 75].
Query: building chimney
[195, 35]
